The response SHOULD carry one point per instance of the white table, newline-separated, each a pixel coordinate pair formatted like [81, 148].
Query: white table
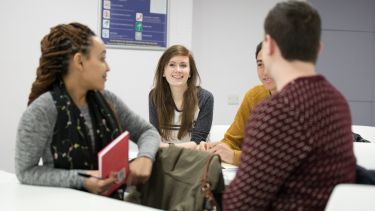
[229, 172]
[15, 196]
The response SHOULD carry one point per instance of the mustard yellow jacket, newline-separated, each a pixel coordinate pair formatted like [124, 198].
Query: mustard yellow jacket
[235, 134]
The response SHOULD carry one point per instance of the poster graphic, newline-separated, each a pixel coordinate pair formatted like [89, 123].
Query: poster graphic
[134, 23]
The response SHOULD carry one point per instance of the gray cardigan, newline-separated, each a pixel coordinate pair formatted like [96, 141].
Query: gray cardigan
[35, 133]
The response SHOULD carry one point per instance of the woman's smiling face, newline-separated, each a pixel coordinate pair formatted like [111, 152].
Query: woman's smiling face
[177, 71]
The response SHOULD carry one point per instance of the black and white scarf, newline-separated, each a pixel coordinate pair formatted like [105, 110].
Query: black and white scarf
[71, 143]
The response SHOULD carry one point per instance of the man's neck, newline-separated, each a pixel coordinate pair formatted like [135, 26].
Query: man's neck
[286, 72]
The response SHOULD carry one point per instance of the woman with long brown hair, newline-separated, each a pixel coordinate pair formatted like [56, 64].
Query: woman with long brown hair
[179, 108]
[70, 117]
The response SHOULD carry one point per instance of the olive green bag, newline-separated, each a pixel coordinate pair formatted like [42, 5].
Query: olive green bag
[183, 179]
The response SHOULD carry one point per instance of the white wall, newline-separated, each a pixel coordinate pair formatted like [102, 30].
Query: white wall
[225, 35]
[24, 23]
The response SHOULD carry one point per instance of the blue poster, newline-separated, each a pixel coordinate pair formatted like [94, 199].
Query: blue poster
[134, 23]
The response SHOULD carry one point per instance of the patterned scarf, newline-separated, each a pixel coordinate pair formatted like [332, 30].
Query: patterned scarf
[71, 143]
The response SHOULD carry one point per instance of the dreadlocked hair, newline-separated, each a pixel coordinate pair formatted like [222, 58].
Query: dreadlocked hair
[57, 48]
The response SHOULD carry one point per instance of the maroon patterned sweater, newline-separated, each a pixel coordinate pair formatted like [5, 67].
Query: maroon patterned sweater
[298, 146]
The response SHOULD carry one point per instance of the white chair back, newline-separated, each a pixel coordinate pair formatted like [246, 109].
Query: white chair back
[366, 132]
[365, 154]
[349, 197]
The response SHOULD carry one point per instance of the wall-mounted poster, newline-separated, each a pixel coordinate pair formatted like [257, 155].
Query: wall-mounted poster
[140, 24]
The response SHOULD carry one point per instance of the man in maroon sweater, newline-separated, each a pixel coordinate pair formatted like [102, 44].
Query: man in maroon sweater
[298, 143]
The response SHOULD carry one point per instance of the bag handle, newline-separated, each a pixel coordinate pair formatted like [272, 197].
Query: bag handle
[206, 186]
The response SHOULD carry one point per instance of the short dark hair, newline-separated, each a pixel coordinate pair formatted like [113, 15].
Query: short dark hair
[259, 47]
[296, 28]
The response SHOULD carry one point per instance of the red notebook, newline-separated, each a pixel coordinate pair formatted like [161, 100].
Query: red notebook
[114, 158]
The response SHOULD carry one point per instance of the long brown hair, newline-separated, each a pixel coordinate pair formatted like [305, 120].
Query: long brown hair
[57, 48]
[161, 95]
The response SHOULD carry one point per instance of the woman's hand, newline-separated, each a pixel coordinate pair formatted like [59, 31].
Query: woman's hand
[189, 145]
[205, 146]
[224, 151]
[96, 185]
[163, 145]
[139, 171]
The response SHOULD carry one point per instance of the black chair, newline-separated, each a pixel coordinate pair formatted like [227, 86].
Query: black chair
[364, 176]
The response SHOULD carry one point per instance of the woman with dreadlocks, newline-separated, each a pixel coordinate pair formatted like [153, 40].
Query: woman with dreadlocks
[70, 117]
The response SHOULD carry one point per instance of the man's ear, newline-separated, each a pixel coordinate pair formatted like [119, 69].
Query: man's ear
[269, 45]
[78, 61]
[321, 47]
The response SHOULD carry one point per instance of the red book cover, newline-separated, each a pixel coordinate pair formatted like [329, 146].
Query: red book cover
[114, 158]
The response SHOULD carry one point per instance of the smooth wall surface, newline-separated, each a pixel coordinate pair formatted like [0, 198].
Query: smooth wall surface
[225, 35]
[24, 23]
[347, 58]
